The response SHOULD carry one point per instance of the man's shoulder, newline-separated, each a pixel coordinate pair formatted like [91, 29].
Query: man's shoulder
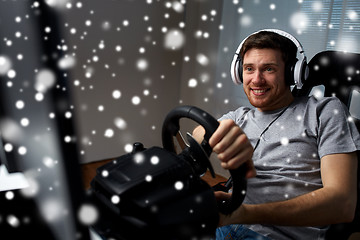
[319, 102]
[240, 111]
[324, 107]
[237, 113]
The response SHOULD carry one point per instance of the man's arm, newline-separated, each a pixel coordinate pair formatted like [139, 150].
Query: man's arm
[334, 203]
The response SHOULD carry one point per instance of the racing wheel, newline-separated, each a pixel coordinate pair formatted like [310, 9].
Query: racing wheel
[199, 154]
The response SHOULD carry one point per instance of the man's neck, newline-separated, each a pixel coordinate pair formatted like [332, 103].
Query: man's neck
[281, 103]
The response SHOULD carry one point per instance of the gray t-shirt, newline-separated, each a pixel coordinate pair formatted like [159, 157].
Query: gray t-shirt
[287, 156]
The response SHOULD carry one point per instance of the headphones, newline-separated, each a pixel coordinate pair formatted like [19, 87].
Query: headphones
[299, 70]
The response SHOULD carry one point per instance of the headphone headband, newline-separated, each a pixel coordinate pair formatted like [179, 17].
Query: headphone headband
[300, 69]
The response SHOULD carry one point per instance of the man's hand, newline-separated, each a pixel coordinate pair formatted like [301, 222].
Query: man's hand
[231, 145]
[232, 218]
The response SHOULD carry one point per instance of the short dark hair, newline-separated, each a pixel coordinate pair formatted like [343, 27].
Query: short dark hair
[272, 40]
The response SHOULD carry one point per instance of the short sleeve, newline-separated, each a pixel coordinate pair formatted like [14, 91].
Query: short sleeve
[337, 132]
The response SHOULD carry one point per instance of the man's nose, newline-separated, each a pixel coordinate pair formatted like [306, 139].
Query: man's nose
[258, 77]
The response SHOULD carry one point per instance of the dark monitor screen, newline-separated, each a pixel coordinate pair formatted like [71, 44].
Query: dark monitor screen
[36, 124]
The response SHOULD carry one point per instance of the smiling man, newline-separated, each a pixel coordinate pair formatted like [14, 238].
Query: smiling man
[300, 152]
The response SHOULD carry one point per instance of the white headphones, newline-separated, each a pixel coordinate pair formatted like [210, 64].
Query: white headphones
[300, 68]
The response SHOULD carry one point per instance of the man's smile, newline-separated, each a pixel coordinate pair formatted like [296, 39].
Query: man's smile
[259, 91]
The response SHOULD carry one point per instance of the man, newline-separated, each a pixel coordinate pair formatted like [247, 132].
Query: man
[300, 152]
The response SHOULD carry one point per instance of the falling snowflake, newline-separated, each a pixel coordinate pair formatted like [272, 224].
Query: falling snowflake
[246, 21]
[148, 178]
[174, 39]
[67, 62]
[154, 160]
[109, 133]
[120, 123]
[192, 83]
[284, 141]
[13, 221]
[67, 139]
[105, 173]
[299, 21]
[52, 209]
[136, 100]
[352, 15]
[44, 80]
[88, 214]
[49, 162]
[139, 158]
[9, 195]
[179, 185]
[317, 6]
[142, 64]
[202, 59]
[8, 147]
[115, 199]
[128, 148]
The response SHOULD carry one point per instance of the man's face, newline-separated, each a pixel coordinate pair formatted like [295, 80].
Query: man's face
[263, 79]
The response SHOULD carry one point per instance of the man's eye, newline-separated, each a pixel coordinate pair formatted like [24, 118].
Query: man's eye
[269, 69]
[249, 69]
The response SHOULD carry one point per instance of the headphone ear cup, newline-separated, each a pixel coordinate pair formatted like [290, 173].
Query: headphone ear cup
[301, 73]
[240, 70]
[304, 73]
[290, 73]
[235, 75]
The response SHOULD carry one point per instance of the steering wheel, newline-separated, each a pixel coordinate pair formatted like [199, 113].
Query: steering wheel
[201, 153]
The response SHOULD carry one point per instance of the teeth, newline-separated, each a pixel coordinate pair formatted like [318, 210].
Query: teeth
[259, 90]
